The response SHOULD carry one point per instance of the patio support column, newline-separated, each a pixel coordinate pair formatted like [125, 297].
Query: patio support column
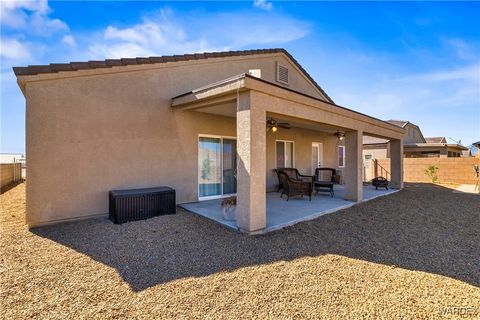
[251, 166]
[353, 166]
[396, 163]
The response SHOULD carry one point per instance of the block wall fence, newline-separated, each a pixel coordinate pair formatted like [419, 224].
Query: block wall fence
[450, 170]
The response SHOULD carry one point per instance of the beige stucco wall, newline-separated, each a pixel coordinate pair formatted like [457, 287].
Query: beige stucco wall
[89, 134]
[302, 139]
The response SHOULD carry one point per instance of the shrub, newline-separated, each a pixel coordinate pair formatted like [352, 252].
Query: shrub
[431, 171]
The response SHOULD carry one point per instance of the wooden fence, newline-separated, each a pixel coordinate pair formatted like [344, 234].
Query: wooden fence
[10, 173]
[450, 170]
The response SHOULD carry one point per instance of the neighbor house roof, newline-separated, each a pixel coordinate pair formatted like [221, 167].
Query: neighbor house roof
[374, 140]
[436, 140]
[74, 66]
[451, 145]
[400, 123]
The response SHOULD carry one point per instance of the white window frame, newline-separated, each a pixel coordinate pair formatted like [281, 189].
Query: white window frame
[285, 152]
[221, 166]
[338, 158]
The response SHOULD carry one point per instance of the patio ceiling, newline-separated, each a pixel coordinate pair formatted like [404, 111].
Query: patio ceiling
[221, 98]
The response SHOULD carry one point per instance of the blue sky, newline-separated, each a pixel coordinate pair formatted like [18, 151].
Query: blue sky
[402, 60]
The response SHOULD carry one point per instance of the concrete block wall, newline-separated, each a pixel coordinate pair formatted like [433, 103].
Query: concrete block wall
[8, 175]
[450, 170]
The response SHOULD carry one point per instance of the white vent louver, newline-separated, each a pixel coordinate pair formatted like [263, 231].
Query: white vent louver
[282, 74]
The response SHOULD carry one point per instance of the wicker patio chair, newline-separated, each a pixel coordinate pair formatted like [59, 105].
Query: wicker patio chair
[293, 174]
[293, 188]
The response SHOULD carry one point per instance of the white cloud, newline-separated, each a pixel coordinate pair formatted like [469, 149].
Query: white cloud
[13, 49]
[69, 40]
[263, 4]
[30, 16]
[166, 33]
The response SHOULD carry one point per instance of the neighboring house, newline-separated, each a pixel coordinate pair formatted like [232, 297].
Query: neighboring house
[195, 122]
[12, 157]
[476, 145]
[415, 145]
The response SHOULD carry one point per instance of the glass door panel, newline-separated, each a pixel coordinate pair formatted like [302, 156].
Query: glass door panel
[288, 154]
[209, 167]
[229, 166]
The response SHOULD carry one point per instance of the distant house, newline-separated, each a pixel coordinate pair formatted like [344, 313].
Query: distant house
[476, 145]
[415, 145]
[12, 157]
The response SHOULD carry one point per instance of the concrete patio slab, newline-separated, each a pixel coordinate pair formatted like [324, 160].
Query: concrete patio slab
[282, 213]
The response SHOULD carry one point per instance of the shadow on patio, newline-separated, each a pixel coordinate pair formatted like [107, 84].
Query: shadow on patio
[424, 227]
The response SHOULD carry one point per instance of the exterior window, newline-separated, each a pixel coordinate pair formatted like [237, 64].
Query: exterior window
[284, 154]
[341, 156]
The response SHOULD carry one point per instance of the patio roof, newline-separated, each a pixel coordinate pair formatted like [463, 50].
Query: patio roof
[226, 91]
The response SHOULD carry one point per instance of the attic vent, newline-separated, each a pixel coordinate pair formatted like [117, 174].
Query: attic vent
[282, 74]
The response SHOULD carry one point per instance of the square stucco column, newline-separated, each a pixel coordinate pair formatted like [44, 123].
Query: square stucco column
[353, 166]
[251, 165]
[396, 163]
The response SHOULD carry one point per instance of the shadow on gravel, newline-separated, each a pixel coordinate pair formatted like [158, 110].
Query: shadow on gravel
[424, 228]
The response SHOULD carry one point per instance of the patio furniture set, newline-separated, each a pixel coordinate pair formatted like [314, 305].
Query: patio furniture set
[292, 183]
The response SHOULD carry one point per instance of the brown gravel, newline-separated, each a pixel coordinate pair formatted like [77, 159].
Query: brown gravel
[414, 254]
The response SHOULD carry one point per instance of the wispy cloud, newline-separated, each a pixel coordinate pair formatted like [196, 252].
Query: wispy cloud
[465, 73]
[263, 4]
[69, 40]
[168, 33]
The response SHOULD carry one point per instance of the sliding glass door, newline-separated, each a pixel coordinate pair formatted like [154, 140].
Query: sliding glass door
[217, 166]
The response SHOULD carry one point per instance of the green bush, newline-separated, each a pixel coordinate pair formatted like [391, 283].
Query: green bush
[431, 171]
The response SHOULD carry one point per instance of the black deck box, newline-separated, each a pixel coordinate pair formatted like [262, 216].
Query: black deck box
[138, 204]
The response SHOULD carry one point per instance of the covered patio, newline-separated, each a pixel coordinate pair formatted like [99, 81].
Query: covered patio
[252, 101]
[281, 214]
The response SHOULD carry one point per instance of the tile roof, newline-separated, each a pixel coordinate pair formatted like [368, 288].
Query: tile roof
[108, 63]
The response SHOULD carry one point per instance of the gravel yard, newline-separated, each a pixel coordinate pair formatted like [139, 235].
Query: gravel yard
[413, 254]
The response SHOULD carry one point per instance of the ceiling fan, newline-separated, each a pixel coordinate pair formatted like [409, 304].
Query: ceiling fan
[273, 125]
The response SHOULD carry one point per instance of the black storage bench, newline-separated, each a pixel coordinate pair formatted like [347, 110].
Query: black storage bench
[138, 204]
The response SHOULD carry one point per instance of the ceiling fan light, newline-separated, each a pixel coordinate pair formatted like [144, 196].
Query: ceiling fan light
[274, 129]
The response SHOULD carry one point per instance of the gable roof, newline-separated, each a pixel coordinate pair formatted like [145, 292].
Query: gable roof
[436, 140]
[108, 63]
[400, 123]
[404, 123]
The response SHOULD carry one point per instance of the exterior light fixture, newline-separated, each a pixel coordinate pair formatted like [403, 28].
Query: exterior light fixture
[340, 135]
[274, 129]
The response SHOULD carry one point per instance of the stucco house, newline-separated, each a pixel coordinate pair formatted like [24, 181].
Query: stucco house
[415, 145]
[186, 121]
